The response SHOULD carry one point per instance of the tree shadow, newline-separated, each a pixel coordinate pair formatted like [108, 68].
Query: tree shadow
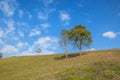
[69, 56]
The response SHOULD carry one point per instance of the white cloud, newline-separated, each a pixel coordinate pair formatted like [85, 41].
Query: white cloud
[48, 45]
[20, 45]
[21, 13]
[9, 49]
[10, 26]
[8, 32]
[12, 30]
[47, 2]
[34, 32]
[8, 7]
[47, 42]
[45, 25]
[43, 42]
[65, 17]
[110, 35]
[26, 53]
[22, 26]
[47, 52]
[42, 15]
[92, 49]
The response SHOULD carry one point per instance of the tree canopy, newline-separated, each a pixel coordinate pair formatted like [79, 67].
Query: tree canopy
[80, 37]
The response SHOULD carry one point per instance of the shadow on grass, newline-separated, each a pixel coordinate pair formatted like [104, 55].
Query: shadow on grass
[69, 56]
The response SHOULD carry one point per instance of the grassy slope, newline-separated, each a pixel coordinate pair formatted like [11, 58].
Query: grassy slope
[94, 65]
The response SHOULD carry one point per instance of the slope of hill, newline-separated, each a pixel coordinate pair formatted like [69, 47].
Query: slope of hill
[94, 65]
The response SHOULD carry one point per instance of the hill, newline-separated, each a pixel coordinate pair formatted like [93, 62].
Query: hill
[93, 65]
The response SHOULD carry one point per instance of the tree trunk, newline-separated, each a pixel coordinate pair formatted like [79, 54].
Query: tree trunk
[80, 47]
[80, 50]
[66, 55]
[66, 52]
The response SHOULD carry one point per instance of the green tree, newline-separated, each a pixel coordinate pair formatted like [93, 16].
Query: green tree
[80, 37]
[64, 41]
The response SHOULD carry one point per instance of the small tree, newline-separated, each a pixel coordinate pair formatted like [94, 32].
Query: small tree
[64, 41]
[80, 37]
[38, 50]
[1, 55]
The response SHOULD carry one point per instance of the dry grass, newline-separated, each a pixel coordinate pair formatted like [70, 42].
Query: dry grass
[94, 65]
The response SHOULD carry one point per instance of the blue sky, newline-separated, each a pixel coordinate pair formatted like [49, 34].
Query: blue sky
[26, 25]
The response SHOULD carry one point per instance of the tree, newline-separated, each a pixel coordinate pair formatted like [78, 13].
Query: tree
[80, 37]
[64, 41]
[1, 55]
[38, 50]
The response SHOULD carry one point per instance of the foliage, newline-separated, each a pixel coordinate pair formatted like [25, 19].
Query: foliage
[80, 37]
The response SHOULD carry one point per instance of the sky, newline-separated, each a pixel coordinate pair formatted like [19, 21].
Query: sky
[26, 25]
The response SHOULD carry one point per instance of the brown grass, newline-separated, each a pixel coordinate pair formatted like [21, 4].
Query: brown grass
[55, 67]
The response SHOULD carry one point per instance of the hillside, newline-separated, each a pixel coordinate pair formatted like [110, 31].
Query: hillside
[94, 65]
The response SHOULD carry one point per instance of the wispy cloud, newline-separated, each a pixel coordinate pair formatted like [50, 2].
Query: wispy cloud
[10, 24]
[45, 25]
[47, 44]
[7, 32]
[34, 32]
[8, 7]
[21, 13]
[22, 26]
[47, 2]
[110, 34]
[22, 44]
[43, 42]
[12, 31]
[9, 49]
[92, 49]
[65, 17]
[43, 14]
